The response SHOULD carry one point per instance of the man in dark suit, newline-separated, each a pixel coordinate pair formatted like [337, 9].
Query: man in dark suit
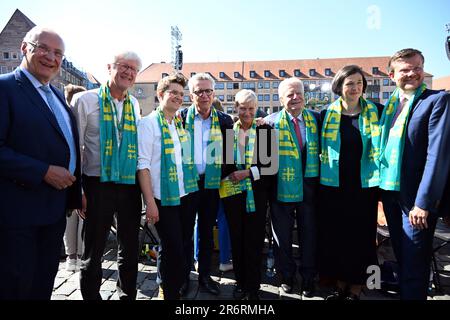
[39, 169]
[200, 120]
[415, 161]
[288, 207]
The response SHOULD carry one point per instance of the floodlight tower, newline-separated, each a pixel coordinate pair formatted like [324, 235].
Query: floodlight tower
[177, 54]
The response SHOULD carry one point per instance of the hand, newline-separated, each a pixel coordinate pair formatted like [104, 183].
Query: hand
[260, 121]
[82, 213]
[151, 212]
[59, 177]
[239, 175]
[418, 218]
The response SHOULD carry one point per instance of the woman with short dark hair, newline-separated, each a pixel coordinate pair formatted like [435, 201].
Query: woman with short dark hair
[349, 178]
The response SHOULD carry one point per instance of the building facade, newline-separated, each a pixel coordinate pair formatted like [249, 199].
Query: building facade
[263, 77]
[10, 41]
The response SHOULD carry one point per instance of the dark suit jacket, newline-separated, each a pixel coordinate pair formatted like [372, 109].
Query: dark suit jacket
[30, 141]
[426, 155]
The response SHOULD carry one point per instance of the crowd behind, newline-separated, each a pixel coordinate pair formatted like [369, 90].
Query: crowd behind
[70, 164]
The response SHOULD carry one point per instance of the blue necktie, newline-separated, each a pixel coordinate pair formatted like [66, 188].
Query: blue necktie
[62, 125]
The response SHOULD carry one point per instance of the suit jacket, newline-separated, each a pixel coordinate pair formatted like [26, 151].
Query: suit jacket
[31, 141]
[426, 155]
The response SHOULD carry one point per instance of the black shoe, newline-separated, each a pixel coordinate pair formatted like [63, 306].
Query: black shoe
[287, 285]
[209, 285]
[336, 295]
[185, 288]
[238, 292]
[308, 288]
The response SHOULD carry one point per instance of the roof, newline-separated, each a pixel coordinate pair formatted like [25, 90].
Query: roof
[154, 71]
[18, 15]
[442, 83]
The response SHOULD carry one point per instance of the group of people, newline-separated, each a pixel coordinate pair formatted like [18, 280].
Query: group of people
[323, 172]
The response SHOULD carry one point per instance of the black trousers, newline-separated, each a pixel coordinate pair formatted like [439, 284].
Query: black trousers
[206, 204]
[103, 201]
[247, 231]
[175, 228]
[29, 260]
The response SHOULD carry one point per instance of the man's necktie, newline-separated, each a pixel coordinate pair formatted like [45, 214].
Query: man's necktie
[297, 132]
[57, 112]
[403, 102]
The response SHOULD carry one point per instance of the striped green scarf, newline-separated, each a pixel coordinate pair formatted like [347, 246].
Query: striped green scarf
[170, 192]
[246, 184]
[213, 170]
[331, 144]
[118, 140]
[393, 139]
[290, 175]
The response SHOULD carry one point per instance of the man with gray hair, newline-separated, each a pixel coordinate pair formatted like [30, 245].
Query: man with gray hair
[294, 196]
[107, 119]
[39, 169]
[206, 127]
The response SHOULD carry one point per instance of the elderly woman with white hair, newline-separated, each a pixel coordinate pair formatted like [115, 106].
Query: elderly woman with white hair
[245, 193]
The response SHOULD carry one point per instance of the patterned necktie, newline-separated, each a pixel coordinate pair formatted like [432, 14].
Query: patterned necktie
[57, 112]
[403, 102]
[297, 132]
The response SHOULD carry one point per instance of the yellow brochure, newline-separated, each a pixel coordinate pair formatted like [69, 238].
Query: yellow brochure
[228, 188]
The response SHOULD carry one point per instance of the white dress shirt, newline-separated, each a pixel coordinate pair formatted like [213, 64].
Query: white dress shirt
[149, 147]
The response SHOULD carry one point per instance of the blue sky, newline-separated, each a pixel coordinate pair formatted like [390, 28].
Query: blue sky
[237, 30]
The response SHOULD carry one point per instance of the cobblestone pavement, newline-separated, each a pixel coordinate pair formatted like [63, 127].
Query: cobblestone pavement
[67, 283]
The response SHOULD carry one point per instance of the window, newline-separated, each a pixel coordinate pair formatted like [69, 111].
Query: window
[276, 109]
[251, 85]
[229, 110]
[15, 56]
[235, 85]
[221, 74]
[328, 72]
[155, 86]
[275, 84]
[229, 85]
[5, 55]
[282, 73]
[260, 85]
[236, 74]
[386, 82]
[297, 73]
[139, 92]
[252, 74]
[376, 82]
[187, 99]
[375, 95]
[192, 74]
[260, 97]
[386, 95]
[219, 86]
[375, 70]
[221, 97]
[267, 73]
[267, 97]
[229, 98]
[275, 97]
[4, 69]
[266, 85]
[312, 72]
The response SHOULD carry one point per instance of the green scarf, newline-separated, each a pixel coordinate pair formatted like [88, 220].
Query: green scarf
[170, 192]
[290, 175]
[393, 139]
[246, 184]
[331, 144]
[213, 170]
[118, 140]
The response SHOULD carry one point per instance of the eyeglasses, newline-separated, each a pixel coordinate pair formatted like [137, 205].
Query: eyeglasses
[208, 92]
[175, 93]
[123, 67]
[43, 50]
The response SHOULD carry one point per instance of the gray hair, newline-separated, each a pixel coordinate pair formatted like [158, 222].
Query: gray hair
[127, 55]
[283, 84]
[244, 96]
[200, 76]
[34, 34]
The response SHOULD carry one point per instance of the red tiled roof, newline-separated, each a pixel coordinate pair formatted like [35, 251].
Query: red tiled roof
[442, 83]
[154, 71]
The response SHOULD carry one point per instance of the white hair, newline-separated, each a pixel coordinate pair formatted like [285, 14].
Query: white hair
[34, 34]
[127, 55]
[200, 76]
[244, 96]
[293, 80]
